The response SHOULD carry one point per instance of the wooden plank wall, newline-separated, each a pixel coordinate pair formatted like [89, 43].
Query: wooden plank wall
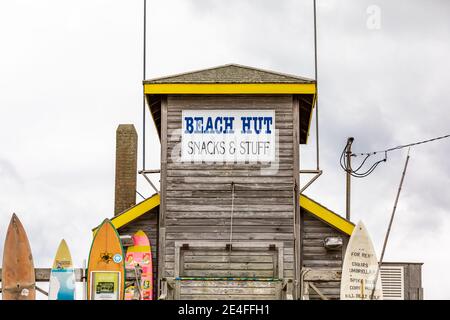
[149, 224]
[198, 196]
[316, 256]
[250, 263]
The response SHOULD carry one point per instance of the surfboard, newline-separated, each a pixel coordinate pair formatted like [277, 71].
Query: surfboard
[139, 255]
[18, 279]
[62, 275]
[360, 267]
[106, 268]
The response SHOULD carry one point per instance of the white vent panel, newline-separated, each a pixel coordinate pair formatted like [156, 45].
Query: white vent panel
[393, 282]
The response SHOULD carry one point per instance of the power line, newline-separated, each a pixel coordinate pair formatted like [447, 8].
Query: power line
[401, 146]
[359, 172]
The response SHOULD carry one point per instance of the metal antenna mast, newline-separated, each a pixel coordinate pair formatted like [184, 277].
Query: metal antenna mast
[316, 95]
[317, 172]
[144, 54]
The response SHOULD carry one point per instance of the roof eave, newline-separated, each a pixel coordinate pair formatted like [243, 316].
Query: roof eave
[229, 88]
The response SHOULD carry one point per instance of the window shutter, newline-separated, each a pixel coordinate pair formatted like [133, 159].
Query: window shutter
[393, 282]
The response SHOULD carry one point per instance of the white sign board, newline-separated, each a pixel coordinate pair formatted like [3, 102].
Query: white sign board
[360, 267]
[228, 135]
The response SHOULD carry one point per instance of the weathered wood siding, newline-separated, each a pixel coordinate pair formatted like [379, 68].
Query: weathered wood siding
[230, 290]
[251, 263]
[197, 197]
[316, 256]
[149, 224]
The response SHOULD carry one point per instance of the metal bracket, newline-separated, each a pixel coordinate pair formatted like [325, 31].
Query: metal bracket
[144, 174]
[317, 174]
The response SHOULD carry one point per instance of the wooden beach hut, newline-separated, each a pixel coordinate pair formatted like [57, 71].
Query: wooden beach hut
[228, 221]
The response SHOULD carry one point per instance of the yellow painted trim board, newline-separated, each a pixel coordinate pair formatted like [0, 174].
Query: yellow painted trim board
[229, 88]
[326, 215]
[134, 212]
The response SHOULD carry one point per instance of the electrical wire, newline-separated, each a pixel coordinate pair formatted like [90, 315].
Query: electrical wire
[359, 173]
[401, 146]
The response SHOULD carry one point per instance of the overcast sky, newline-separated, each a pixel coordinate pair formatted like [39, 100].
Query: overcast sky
[71, 71]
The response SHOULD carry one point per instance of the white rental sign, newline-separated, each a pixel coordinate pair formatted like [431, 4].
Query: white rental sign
[359, 269]
[228, 135]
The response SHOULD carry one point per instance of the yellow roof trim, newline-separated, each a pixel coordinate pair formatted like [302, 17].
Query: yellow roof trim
[306, 203]
[135, 212]
[326, 215]
[229, 88]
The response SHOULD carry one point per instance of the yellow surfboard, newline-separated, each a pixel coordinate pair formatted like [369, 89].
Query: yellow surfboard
[62, 276]
[106, 268]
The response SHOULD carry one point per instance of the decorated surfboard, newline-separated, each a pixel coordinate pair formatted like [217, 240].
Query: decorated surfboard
[18, 279]
[106, 268]
[62, 275]
[139, 260]
[360, 268]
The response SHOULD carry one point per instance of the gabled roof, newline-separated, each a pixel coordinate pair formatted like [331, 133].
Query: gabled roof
[319, 211]
[233, 79]
[231, 73]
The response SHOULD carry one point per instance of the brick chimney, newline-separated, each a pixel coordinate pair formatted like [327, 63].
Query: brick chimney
[126, 167]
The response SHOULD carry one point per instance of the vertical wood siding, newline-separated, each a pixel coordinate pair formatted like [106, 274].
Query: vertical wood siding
[316, 256]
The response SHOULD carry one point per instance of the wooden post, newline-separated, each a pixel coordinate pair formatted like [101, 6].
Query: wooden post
[296, 166]
[163, 186]
[348, 154]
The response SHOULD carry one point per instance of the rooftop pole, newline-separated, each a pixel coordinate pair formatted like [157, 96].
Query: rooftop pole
[316, 95]
[143, 78]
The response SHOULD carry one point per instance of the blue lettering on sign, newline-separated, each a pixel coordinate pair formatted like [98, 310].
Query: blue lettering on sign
[268, 123]
[258, 124]
[246, 124]
[198, 124]
[224, 125]
[189, 124]
[228, 124]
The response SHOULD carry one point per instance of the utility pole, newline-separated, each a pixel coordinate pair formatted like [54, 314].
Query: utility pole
[348, 154]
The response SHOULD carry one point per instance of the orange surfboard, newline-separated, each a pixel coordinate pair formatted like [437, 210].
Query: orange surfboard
[106, 268]
[18, 279]
[139, 255]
